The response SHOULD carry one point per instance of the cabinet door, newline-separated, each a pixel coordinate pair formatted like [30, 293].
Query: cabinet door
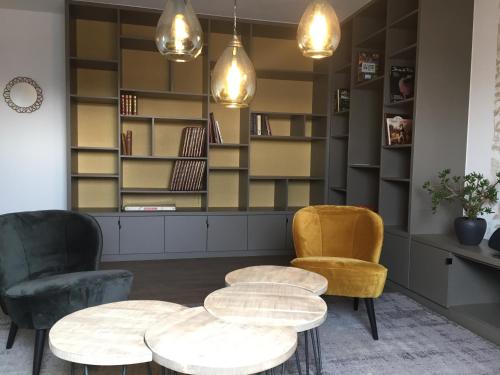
[289, 234]
[227, 233]
[142, 235]
[396, 258]
[110, 234]
[185, 233]
[266, 232]
[429, 272]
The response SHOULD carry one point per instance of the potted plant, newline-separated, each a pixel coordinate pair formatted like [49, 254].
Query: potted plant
[476, 195]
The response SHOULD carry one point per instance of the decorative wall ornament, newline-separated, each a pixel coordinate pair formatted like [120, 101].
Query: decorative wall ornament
[23, 95]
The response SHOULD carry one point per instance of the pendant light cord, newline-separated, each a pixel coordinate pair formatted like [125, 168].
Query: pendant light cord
[234, 15]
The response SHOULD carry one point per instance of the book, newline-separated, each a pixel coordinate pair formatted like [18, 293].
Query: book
[342, 100]
[368, 65]
[124, 144]
[128, 142]
[167, 207]
[259, 124]
[399, 130]
[402, 83]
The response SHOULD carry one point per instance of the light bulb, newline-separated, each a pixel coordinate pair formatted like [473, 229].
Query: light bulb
[318, 35]
[233, 78]
[179, 35]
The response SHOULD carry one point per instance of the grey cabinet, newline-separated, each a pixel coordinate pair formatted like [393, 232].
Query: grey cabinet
[396, 258]
[185, 233]
[289, 234]
[142, 235]
[429, 268]
[227, 233]
[110, 234]
[266, 232]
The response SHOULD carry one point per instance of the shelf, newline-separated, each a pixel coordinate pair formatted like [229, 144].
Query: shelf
[227, 209]
[226, 169]
[344, 68]
[374, 40]
[364, 166]
[82, 63]
[94, 99]
[396, 179]
[291, 138]
[407, 21]
[371, 84]
[268, 209]
[290, 178]
[401, 103]
[290, 114]
[158, 191]
[165, 94]
[340, 136]
[405, 53]
[93, 175]
[339, 189]
[228, 145]
[159, 158]
[398, 147]
[290, 75]
[397, 230]
[158, 118]
[138, 43]
[96, 209]
[96, 149]
[341, 113]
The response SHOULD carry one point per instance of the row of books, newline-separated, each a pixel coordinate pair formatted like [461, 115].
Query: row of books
[214, 133]
[188, 175]
[127, 143]
[261, 125]
[193, 142]
[128, 104]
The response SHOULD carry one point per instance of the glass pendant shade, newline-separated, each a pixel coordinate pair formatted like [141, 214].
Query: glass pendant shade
[318, 35]
[233, 78]
[179, 35]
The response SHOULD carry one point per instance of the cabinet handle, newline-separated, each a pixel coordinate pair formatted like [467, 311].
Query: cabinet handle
[208, 225]
[287, 220]
[119, 225]
[449, 261]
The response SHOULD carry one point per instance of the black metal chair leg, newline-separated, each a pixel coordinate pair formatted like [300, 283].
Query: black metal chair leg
[38, 353]
[318, 343]
[356, 303]
[307, 351]
[12, 335]
[370, 308]
[297, 361]
[315, 350]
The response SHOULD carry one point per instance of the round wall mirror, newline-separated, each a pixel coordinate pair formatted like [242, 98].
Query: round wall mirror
[23, 95]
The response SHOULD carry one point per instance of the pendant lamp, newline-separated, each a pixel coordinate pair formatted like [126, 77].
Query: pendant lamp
[233, 78]
[179, 35]
[318, 35]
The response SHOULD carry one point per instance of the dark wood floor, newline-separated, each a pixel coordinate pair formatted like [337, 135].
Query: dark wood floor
[185, 281]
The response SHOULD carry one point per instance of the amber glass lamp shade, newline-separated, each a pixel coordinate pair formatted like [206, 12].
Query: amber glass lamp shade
[179, 36]
[318, 35]
[233, 78]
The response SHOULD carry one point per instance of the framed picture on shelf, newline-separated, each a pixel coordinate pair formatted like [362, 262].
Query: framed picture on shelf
[368, 65]
[398, 129]
[402, 83]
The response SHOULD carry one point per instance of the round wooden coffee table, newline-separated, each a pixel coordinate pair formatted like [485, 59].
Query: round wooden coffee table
[110, 334]
[273, 305]
[195, 342]
[311, 281]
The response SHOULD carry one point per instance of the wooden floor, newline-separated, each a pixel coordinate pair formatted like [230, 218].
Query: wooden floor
[185, 281]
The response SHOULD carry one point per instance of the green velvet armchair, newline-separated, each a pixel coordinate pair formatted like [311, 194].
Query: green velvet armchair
[48, 269]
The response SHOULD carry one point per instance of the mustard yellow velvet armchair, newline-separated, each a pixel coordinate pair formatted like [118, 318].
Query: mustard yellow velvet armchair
[343, 244]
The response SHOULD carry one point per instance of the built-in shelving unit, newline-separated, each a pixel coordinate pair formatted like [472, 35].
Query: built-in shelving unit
[111, 52]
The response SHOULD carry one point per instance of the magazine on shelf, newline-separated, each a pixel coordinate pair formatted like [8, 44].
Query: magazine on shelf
[402, 83]
[399, 130]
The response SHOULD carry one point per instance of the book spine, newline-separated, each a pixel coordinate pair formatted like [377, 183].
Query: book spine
[173, 179]
[135, 105]
[201, 175]
[184, 141]
[268, 125]
[124, 144]
[128, 142]
[122, 104]
[259, 124]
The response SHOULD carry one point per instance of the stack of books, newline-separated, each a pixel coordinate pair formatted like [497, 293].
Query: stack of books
[187, 175]
[127, 143]
[128, 104]
[261, 125]
[214, 133]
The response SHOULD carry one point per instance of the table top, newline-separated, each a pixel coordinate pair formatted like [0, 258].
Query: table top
[293, 276]
[275, 305]
[195, 342]
[110, 334]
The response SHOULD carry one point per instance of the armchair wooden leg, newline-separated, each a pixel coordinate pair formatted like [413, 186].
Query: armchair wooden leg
[12, 335]
[356, 303]
[38, 354]
[370, 308]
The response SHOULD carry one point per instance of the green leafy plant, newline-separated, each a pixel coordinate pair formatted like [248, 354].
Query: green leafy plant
[474, 192]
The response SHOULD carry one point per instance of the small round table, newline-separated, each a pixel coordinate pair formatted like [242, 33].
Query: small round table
[195, 342]
[293, 276]
[110, 334]
[272, 305]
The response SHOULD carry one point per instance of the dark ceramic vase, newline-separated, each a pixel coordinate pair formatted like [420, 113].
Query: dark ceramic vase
[470, 231]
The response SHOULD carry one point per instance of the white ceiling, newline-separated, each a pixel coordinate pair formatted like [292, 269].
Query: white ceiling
[271, 10]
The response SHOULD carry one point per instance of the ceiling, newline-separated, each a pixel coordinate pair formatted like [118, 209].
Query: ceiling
[269, 10]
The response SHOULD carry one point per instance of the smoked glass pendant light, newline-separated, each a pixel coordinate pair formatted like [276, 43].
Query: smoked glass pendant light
[318, 35]
[233, 78]
[179, 35]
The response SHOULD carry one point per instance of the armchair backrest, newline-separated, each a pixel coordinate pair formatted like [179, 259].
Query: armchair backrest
[43, 243]
[338, 231]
